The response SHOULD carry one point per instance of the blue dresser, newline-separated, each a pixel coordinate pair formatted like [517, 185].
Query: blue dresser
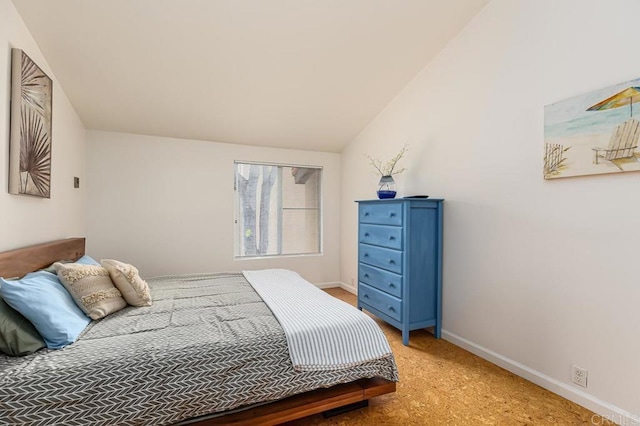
[400, 262]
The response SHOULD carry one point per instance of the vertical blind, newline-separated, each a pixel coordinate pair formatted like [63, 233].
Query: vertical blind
[278, 209]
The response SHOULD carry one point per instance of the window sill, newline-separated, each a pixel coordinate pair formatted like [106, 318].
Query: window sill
[276, 256]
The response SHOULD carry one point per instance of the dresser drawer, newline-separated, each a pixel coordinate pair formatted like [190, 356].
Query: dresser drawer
[381, 213]
[383, 302]
[384, 258]
[381, 235]
[382, 280]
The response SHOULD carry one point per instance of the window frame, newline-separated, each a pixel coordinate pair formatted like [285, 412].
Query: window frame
[237, 211]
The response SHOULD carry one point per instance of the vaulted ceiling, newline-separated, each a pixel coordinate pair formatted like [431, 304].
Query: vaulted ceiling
[305, 74]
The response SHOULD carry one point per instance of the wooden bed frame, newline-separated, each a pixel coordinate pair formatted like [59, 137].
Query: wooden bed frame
[16, 263]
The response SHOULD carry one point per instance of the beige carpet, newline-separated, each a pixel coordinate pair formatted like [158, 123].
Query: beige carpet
[442, 384]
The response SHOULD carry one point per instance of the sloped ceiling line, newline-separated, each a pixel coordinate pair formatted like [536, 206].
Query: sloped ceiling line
[283, 73]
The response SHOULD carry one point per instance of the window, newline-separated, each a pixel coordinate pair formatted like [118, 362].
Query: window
[278, 210]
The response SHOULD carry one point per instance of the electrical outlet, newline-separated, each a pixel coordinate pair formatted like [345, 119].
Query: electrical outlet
[579, 376]
[76, 182]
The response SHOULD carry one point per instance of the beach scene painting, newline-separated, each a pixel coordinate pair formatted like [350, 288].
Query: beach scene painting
[595, 133]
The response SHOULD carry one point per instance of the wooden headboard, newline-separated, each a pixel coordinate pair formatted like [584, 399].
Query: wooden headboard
[16, 263]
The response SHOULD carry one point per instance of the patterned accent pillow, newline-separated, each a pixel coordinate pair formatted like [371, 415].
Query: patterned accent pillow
[91, 289]
[84, 260]
[126, 277]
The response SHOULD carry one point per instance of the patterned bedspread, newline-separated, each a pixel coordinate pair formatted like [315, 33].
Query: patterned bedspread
[207, 344]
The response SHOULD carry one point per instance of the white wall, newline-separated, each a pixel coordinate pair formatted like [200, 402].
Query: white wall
[167, 205]
[538, 275]
[28, 220]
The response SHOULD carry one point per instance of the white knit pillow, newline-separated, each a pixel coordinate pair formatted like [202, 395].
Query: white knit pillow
[126, 277]
[91, 288]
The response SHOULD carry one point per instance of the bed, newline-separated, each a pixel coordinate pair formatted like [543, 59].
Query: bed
[208, 351]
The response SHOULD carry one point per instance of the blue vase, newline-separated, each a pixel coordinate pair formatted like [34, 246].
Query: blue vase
[386, 194]
[387, 188]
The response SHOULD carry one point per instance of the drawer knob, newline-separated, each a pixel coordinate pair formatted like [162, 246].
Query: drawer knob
[391, 238]
[366, 255]
[366, 275]
[392, 214]
[391, 308]
[392, 285]
[366, 296]
[366, 213]
[392, 262]
[366, 234]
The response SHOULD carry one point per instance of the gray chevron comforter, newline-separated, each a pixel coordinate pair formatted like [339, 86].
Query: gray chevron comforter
[207, 344]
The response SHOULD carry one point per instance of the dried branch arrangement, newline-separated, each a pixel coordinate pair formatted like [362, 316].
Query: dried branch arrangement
[389, 168]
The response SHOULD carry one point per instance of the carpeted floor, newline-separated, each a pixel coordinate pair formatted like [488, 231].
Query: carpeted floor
[442, 384]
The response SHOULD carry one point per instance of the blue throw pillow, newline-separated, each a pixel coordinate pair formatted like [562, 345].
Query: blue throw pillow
[87, 260]
[41, 298]
[84, 260]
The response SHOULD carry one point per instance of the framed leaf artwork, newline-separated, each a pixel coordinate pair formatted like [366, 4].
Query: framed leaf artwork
[30, 140]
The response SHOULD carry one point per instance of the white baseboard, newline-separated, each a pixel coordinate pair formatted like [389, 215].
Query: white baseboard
[337, 284]
[349, 288]
[327, 285]
[602, 408]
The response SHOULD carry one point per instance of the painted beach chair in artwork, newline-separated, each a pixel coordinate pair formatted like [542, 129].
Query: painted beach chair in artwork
[623, 142]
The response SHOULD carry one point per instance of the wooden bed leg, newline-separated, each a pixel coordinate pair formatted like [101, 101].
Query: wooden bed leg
[345, 409]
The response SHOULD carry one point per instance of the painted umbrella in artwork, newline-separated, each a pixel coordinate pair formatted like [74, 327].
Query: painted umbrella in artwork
[628, 96]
